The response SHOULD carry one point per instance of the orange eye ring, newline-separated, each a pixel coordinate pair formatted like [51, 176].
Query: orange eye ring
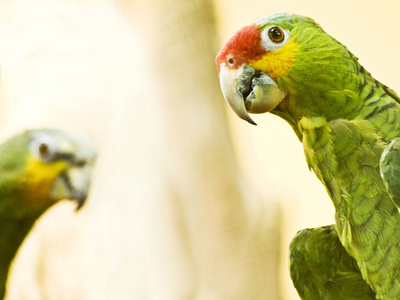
[276, 34]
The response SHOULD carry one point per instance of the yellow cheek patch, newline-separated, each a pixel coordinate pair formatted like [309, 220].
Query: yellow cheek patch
[277, 63]
[39, 177]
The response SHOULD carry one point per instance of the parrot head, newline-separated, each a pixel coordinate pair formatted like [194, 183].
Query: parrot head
[44, 166]
[277, 63]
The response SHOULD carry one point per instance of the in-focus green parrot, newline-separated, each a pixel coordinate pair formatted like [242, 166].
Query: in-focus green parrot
[37, 169]
[349, 125]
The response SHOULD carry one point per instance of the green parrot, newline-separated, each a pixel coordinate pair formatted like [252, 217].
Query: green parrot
[349, 125]
[37, 169]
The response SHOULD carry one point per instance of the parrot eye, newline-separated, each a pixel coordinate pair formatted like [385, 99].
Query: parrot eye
[276, 34]
[274, 37]
[43, 149]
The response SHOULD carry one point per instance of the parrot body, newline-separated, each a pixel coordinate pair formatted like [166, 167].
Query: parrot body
[38, 168]
[348, 123]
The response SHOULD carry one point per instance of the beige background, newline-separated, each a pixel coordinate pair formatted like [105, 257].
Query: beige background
[179, 213]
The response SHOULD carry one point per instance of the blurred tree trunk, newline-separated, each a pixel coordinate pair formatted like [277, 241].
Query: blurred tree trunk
[170, 215]
[231, 239]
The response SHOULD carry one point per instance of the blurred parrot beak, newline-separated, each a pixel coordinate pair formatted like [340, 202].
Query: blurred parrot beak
[73, 184]
[248, 91]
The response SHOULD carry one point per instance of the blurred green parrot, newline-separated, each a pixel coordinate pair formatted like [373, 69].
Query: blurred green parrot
[349, 125]
[37, 169]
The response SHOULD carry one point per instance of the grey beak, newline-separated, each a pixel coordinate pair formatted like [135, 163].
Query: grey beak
[248, 91]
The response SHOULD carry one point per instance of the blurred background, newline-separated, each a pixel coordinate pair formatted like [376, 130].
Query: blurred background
[188, 201]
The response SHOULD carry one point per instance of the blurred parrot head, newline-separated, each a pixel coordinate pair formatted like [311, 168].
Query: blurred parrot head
[283, 64]
[40, 167]
[37, 169]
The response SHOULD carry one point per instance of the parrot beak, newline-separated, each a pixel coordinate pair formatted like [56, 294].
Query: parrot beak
[248, 91]
[74, 184]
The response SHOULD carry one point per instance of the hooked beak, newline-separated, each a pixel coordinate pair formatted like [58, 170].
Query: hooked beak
[248, 91]
[73, 184]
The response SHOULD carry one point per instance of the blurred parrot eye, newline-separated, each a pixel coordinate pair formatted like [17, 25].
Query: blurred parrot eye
[44, 149]
[276, 34]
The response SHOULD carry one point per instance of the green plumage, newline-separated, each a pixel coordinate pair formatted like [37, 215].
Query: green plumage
[20, 205]
[390, 169]
[14, 224]
[345, 119]
[322, 269]
[349, 125]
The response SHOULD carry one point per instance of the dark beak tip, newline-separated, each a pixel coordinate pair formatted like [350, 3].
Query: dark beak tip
[80, 202]
[253, 123]
[248, 119]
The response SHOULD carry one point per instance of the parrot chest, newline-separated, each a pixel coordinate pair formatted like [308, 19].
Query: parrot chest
[345, 154]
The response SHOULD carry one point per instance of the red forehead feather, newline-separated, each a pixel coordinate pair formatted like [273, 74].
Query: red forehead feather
[243, 46]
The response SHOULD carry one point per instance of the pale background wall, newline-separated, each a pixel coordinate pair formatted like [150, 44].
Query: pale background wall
[150, 231]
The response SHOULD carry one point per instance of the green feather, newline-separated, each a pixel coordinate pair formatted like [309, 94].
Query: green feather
[321, 269]
[390, 169]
